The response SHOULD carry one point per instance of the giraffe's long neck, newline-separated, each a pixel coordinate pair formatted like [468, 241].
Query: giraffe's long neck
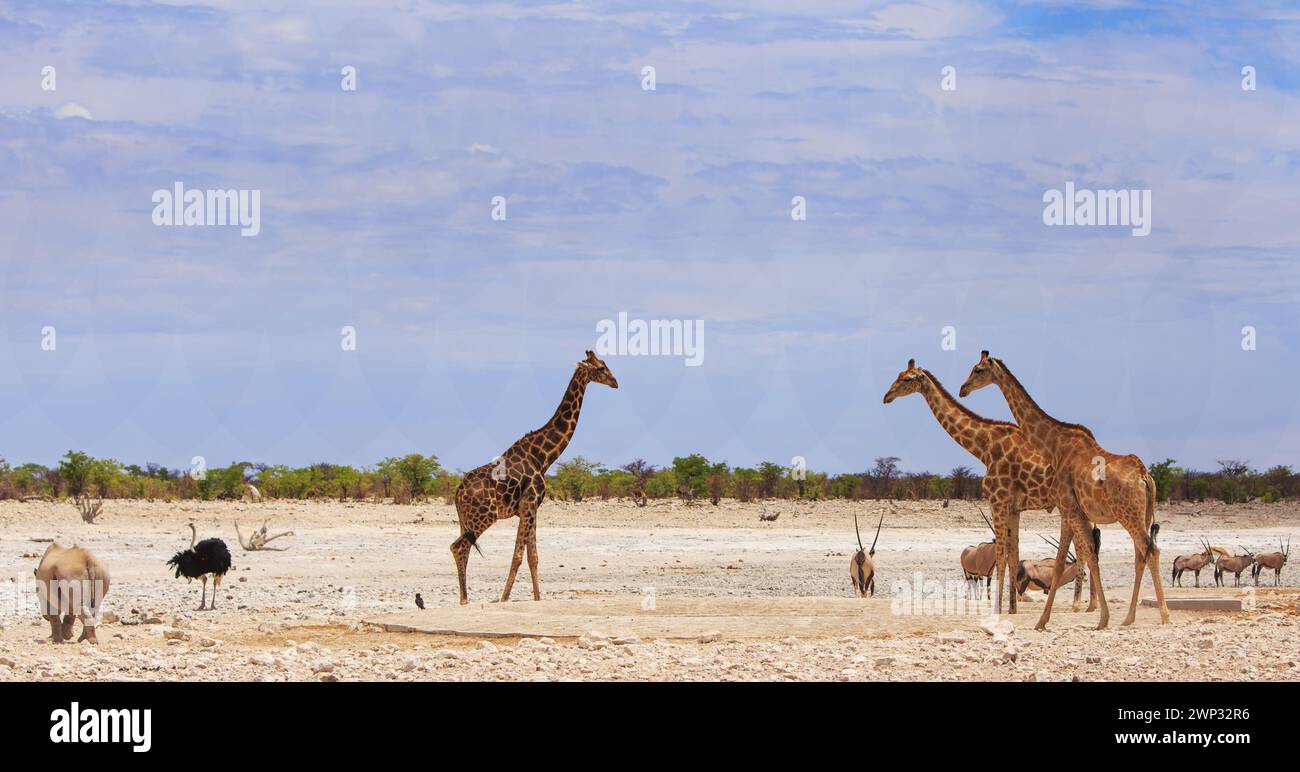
[1042, 429]
[554, 437]
[959, 424]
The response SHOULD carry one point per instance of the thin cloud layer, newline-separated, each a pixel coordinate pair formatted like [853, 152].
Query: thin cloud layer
[924, 210]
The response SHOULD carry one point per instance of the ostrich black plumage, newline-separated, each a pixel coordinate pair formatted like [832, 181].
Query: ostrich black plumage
[210, 556]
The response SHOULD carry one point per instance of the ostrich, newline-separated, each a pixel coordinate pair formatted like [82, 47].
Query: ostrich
[210, 556]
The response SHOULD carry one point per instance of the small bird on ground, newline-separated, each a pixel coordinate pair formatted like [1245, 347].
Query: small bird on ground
[419, 602]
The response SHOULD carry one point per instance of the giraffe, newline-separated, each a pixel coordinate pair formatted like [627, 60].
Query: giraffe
[1018, 474]
[1088, 482]
[514, 483]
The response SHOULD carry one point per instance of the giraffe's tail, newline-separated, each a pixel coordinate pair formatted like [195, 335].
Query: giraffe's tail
[1151, 511]
[468, 536]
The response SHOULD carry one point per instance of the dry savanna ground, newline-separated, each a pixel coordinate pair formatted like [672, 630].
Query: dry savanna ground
[665, 592]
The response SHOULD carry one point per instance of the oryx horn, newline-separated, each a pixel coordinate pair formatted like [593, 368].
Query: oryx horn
[873, 541]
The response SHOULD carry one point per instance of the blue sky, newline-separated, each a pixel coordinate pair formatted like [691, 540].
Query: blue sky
[924, 211]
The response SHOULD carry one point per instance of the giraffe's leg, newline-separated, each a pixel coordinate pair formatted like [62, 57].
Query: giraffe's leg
[1153, 562]
[1140, 544]
[1013, 554]
[1139, 567]
[1067, 535]
[532, 557]
[518, 557]
[1094, 583]
[1090, 558]
[1000, 548]
[1094, 576]
[1078, 590]
[1057, 570]
[460, 553]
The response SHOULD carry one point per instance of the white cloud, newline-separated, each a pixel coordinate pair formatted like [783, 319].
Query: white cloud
[74, 110]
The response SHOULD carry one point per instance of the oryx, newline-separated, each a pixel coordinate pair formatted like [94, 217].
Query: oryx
[1193, 563]
[862, 570]
[1234, 564]
[1273, 560]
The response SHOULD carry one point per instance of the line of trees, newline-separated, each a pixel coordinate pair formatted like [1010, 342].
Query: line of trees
[416, 477]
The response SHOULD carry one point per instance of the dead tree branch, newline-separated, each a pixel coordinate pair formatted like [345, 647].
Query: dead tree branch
[259, 539]
[89, 509]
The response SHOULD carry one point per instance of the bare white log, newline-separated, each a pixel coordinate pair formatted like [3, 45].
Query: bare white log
[258, 539]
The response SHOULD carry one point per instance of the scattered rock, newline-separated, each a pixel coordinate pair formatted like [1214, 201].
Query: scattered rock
[997, 626]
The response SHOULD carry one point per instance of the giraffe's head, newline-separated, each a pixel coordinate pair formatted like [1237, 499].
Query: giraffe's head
[598, 371]
[981, 374]
[910, 381]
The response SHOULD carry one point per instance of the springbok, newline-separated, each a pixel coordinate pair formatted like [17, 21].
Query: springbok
[1273, 560]
[1234, 563]
[862, 570]
[1193, 563]
[978, 562]
[1039, 572]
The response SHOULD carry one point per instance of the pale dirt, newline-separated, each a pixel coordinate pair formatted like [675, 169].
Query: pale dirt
[301, 614]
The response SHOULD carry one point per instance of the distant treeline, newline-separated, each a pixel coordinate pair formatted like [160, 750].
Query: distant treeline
[693, 478]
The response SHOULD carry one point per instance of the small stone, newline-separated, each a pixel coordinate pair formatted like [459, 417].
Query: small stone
[996, 626]
[329, 678]
[626, 640]
[324, 666]
[1094, 659]
[176, 635]
[712, 636]
[885, 661]
[592, 641]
